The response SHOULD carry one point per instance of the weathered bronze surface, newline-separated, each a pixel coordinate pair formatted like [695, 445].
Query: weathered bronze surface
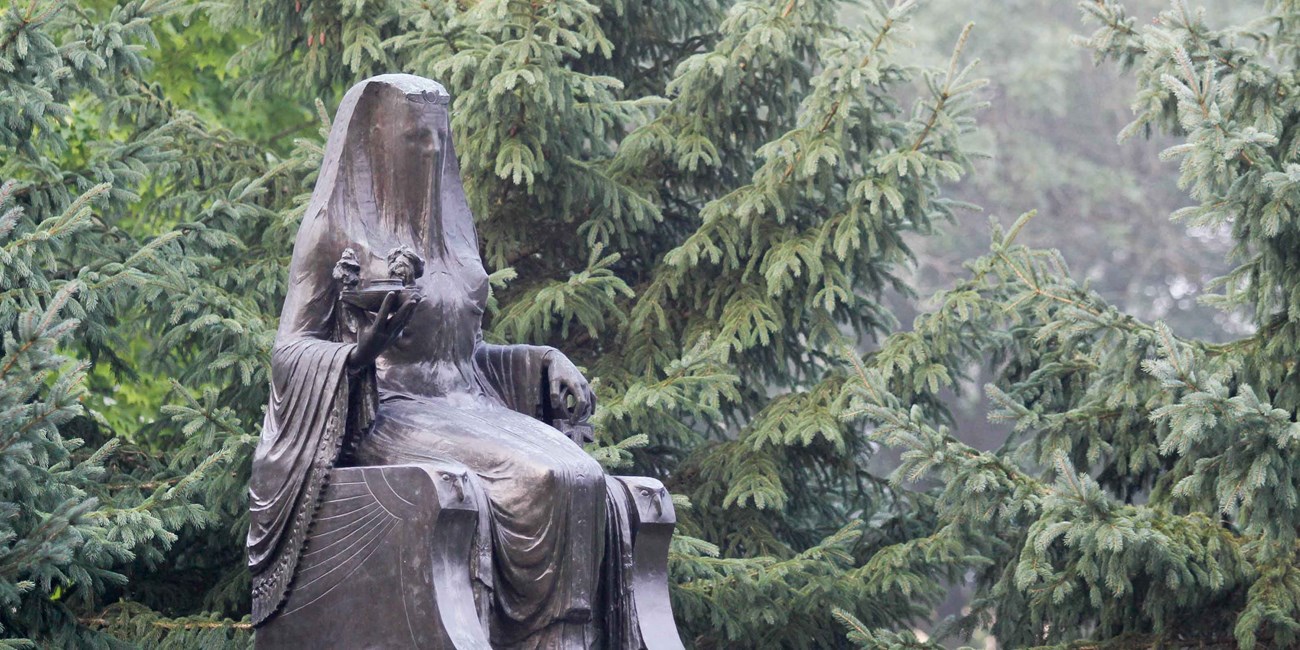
[415, 486]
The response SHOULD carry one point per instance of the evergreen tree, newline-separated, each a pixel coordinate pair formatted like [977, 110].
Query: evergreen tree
[1050, 149]
[81, 136]
[1147, 495]
[701, 202]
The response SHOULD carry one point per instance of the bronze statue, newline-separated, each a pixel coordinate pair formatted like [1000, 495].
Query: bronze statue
[410, 489]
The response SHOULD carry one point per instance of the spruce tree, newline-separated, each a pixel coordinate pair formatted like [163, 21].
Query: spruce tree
[703, 205]
[82, 138]
[701, 202]
[1050, 150]
[1147, 494]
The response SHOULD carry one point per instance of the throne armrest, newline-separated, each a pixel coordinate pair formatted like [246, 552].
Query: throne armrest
[652, 521]
[386, 564]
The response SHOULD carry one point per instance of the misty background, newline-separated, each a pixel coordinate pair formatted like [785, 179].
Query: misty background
[1050, 137]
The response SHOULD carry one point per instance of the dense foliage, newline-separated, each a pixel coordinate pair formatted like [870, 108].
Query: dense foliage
[1147, 494]
[86, 143]
[705, 204]
[697, 201]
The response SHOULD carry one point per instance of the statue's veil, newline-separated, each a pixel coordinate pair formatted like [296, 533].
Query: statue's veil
[390, 168]
[389, 178]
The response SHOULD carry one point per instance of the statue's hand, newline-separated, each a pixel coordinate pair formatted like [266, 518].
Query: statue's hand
[375, 337]
[571, 395]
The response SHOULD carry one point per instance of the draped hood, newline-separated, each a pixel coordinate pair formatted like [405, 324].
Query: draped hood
[389, 177]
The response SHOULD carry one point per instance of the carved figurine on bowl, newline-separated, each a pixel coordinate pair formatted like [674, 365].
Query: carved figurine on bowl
[392, 425]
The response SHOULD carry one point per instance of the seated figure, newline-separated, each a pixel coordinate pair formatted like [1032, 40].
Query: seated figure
[409, 474]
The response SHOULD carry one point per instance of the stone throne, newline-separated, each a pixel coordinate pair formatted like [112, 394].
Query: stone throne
[414, 486]
[387, 565]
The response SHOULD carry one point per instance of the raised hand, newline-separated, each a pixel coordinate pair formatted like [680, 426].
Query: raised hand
[375, 337]
[571, 395]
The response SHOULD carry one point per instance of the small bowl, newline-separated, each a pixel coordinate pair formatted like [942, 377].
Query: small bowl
[371, 298]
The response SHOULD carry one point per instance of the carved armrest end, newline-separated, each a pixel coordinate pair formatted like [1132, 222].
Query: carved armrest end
[651, 500]
[653, 520]
[409, 492]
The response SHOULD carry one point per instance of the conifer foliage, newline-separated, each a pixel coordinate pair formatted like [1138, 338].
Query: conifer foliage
[703, 203]
[700, 201]
[61, 545]
[1147, 495]
[95, 158]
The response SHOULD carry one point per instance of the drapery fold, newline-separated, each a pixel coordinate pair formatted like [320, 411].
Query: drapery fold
[447, 396]
[514, 374]
[621, 627]
[313, 405]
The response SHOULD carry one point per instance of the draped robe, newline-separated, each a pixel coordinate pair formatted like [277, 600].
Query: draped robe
[390, 178]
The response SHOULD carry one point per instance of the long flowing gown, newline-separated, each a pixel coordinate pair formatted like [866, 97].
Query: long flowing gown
[546, 495]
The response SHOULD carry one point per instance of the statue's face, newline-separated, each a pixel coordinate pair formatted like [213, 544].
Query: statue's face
[406, 129]
[405, 149]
